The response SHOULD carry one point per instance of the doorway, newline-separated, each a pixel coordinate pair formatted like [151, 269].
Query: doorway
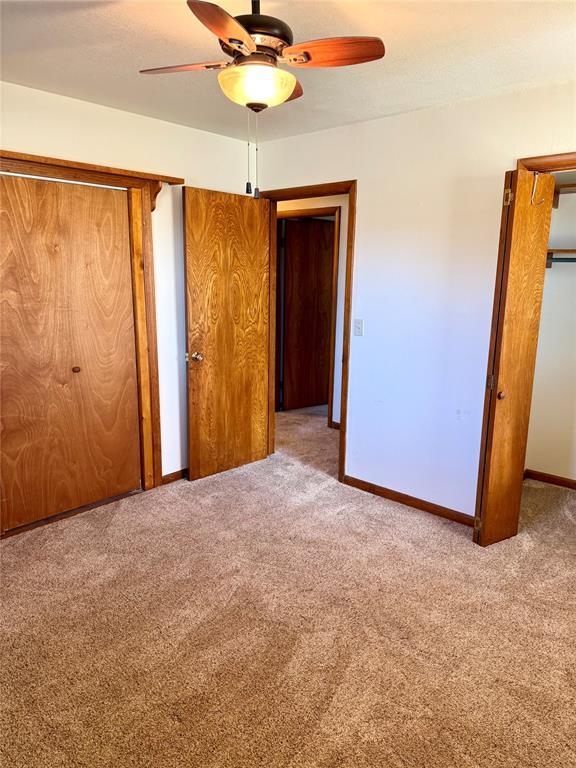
[312, 238]
[551, 447]
[529, 195]
[230, 244]
[308, 243]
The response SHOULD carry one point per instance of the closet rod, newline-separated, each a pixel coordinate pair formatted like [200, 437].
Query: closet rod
[551, 259]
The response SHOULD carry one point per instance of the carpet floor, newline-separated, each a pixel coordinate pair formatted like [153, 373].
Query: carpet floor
[271, 617]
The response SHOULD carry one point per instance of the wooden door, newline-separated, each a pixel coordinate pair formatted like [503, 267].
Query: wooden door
[515, 340]
[227, 251]
[70, 423]
[308, 287]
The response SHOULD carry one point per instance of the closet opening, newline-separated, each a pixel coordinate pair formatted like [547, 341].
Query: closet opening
[551, 447]
[529, 429]
[312, 235]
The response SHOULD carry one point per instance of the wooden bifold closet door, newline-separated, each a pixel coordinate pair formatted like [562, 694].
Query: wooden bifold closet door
[70, 419]
[511, 379]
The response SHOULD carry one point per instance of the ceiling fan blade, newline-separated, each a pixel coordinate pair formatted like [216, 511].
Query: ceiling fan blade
[333, 52]
[296, 93]
[223, 25]
[186, 68]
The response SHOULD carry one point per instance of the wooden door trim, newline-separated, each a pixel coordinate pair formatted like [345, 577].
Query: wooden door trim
[142, 190]
[141, 332]
[332, 365]
[329, 189]
[70, 170]
[549, 163]
[539, 164]
[351, 236]
[313, 213]
[313, 190]
[308, 213]
[273, 259]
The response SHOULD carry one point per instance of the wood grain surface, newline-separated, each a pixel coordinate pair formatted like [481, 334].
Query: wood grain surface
[76, 166]
[515, 355]
[68, 438]
[141, 336]
[350, 239]
[308, 284]
[334, 309]
[227, 291]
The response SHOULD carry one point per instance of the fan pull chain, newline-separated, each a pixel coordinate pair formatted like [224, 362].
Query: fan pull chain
[257, 188]
[248, 183]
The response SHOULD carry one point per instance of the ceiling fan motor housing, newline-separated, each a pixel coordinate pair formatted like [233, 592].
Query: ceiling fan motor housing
[269, 33]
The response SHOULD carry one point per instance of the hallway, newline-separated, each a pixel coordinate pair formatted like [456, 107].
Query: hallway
[304, 435]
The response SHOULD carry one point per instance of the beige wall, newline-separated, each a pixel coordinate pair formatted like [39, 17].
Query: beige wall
[428, 216]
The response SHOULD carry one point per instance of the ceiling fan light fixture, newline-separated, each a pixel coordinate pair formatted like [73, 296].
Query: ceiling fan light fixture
[256, 83]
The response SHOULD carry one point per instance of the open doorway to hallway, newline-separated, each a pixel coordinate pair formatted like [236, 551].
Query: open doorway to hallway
[312, 231]
[306, 307]
[310, 258]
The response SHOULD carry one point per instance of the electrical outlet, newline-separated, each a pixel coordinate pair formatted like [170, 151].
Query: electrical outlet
[358, 327]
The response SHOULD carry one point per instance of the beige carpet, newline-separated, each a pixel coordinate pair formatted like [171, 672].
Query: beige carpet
[273, 617]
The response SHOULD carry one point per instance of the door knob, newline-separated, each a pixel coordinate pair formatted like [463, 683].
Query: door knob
[501, 395]
[197, 356]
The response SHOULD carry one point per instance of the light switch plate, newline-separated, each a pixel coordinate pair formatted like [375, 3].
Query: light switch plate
[358, 327]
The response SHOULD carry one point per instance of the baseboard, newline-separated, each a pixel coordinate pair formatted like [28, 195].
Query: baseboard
[409, 501]
[334, 424]
[544, 477]
[173, 476]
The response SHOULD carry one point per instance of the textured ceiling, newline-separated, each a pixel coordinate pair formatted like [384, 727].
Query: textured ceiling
[437, 53]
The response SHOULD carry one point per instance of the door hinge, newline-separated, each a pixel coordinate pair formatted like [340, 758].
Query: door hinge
[508, 197]
[477, 524]
[187, 357]
[490, 381]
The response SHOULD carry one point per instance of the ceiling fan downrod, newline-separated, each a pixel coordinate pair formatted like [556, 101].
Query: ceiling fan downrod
[255, 6]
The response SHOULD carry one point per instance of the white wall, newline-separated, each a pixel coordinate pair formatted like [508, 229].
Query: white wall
[47, 124]
[329, 202]
[429, 204]
[552, 435]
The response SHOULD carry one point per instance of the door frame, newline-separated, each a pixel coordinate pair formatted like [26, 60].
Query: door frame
[142, 190]
[329, 189]
[539, 164]
[312, 213]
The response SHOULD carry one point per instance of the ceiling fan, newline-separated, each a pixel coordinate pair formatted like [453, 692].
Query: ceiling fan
[257, 44]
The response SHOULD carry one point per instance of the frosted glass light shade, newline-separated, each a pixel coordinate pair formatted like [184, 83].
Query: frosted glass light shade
[256, 84]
